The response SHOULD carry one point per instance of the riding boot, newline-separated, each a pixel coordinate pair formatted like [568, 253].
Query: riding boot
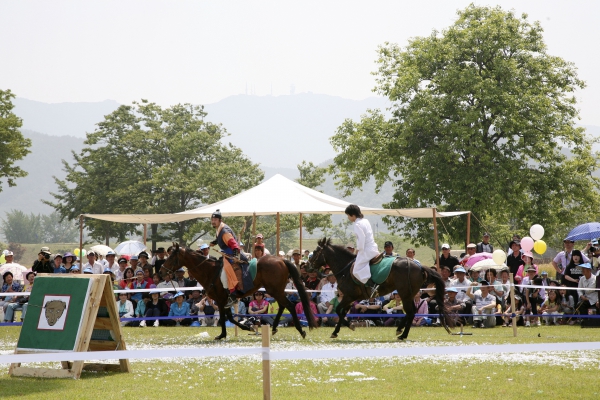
[238, 274]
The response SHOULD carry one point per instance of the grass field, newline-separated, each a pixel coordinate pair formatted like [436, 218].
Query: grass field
[524, 376]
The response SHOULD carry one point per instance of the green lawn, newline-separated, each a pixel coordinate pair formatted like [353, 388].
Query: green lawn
[536, 375]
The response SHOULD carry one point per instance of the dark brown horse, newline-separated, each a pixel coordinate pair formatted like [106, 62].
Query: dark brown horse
[406, 276]
[272, 273]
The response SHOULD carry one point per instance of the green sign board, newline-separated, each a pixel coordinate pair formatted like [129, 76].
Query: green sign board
[54, 314]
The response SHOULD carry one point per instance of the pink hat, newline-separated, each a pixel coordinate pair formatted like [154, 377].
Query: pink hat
[527, 254]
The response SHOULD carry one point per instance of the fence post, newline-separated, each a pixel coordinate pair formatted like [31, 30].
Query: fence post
[266, 367]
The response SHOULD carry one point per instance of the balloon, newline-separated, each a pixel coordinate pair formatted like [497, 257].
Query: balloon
[76, 252]
[499, 256]
[527, 243]
[540, 247]
[83, 253]
[536, 231]
[2, 259]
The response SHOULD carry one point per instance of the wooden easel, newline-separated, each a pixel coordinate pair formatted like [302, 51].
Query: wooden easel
[100, 295]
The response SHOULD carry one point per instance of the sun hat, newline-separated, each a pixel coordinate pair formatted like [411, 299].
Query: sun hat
[451, 289]
[585, 266]
[471, 246]
[110, 253]
[88, 270]
[445, 246]
[527, 254]
[204, 246]
[460, 269]
[122, 259]
[178, 294]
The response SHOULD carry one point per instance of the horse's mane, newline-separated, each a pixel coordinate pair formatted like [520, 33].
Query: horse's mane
[327, 242]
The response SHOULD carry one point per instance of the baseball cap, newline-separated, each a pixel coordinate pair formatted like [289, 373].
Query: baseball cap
[143, 254]
[45, 249]
[107, 270]
[139, 272]
[91, 253]
[204, 246]
[451, 289]
[460, 269]
[57, 255]
[544, 272]
[110, 253]
[74, 268]
[180, 270]
[133, 257]
[122, 259]
[388, 244]
[486, 234]
[259, 236]
[471, 246]
[8, 253]
[585, 266]
[445, 246]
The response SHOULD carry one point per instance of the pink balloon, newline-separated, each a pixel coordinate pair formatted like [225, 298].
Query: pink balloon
[527, 243]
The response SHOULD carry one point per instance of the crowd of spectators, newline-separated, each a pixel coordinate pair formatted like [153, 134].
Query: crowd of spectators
[483, 301]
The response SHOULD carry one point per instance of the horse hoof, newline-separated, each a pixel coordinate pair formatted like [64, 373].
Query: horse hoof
[274, 331]
[352, 326]
[303, 333]
[333, 336]
[219, 337]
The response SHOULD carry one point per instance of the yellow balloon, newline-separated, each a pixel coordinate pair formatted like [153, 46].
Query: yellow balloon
[2, 259]
[76, 252]
[539, 246]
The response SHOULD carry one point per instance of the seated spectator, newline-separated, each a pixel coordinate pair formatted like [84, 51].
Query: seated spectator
[256, 308]
[115, 285]
[274, 309]
[567, 303]
[312, 283]
[550, 308]
[140, 311]
[495, 285]
[445, 272]
[292, 296]
[9, 285]
[125, 307]
[332, 309]
[327, 293]
[588, 296]
[303, 273]
[157, 307]
[461, 284]
[21, 302]
[148, 277]
[128, 278]
[421, 308]
[208, 306]
[139, 283]
[155, 280]
[474, 276]
[369, 306]
[302, 317]
[180, 309]
[69, 261]
[453, 305]
[57, 265]
[168, 283]
[394, 306]
[518, 311]
[483, 304]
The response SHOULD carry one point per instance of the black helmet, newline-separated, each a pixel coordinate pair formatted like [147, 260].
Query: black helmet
[217, 214]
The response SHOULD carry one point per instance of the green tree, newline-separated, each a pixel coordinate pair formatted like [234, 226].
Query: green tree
[148, 160]
[19, 227]
[482, 119]
[13, 146]
[55, 230]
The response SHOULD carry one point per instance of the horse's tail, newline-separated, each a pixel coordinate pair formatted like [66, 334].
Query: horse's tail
[310, 318]
[431, 276]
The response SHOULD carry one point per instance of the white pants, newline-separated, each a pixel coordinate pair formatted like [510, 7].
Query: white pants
[489, 321]
[224, 279]
[362, 271]
[553, 318]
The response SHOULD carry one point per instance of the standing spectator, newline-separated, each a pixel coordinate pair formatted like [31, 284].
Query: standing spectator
[158, 259]
[205, 249]
[168, 283]
[514, 260]
[388, 248]
[58, 267]
[483, 304]
[133, 262]
[305, 256]
[411, 253]
[572, 273]
[485, 246]
[110, 262]
[95, 266]
[120, 273]
[527, 258]
[296, 258]
[327, 293]
[143, 261]
[446, 259]
[259, 251]
[445, 272]
[42, 264]
[563, 258]
[8, 256]
[516, 238]
[588, 296]
[69, 261]
[471, 249]
[259, 242]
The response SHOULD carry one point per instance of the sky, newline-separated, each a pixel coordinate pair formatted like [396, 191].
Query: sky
[201, 52]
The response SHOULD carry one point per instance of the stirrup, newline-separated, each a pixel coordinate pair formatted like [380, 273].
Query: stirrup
[231, 300]
[374, 291]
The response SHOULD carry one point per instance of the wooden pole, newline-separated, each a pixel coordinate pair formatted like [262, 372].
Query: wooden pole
[277, 234]
[253, 234]
[468, 230]
[301, 253]
[81, 244]
[435, 239]
[513, 305]
[266, 366]
[145, 233]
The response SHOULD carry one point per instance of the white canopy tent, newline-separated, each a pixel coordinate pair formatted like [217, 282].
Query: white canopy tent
[277, 195]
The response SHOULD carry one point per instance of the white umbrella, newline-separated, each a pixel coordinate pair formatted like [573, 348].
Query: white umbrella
[18, 271]
[101, 249]
[130, 248]
[488, 264]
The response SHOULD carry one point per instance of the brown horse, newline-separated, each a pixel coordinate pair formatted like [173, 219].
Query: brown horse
[406, 276]
[271, 273]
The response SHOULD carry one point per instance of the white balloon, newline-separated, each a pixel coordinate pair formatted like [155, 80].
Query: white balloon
[536, 232]
[499, 256]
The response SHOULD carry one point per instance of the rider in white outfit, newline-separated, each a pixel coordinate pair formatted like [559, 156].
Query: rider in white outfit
[365, 245]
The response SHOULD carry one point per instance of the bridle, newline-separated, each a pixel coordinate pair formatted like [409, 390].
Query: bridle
[315, 257]
[177, 266]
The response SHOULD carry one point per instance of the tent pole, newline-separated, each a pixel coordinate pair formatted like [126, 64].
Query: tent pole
[81, 242]
[277, 233]
[301, 253]
[251, 249]
[468, 230]
[145, 233]
[435, 239]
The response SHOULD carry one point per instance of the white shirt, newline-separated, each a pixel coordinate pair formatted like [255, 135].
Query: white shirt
[592, 295]
[480, 301]
[328, 291]
[461, 296]
[365, 244]
[97, 268]
[167, 285]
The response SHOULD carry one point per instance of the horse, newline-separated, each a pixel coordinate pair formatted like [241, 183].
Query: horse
[271, 273]
[406, 276]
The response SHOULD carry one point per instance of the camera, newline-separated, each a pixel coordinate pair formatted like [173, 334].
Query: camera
[46, 256]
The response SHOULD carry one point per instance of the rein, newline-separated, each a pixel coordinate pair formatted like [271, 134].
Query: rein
[336, 274]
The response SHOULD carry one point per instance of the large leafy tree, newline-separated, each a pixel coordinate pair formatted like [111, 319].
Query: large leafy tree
[482, 119]
[146, 159]
[13, 146]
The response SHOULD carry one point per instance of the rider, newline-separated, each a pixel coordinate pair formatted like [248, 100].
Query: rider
[230, 277]
[365, 246]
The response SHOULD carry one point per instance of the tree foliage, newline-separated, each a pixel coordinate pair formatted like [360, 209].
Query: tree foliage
[19, 227]
[13, 146]
[146, 159]
[483, 119]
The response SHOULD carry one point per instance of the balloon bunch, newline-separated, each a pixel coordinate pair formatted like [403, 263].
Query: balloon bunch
[534, 242]
[76, 252]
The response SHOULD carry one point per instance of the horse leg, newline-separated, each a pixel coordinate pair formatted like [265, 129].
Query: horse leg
[409, 311]
[276, 320]
[222, 322]
[342, 310]
[290, 306]
[233, 321]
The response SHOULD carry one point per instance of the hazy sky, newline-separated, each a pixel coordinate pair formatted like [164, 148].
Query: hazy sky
[201, 52]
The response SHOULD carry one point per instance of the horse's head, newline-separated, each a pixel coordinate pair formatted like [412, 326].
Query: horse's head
[173, 262]
[317, 260]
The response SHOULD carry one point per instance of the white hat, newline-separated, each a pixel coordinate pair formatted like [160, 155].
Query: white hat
[445, 246]
[281, 253]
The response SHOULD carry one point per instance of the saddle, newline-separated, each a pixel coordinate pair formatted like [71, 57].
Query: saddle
[376, 260]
